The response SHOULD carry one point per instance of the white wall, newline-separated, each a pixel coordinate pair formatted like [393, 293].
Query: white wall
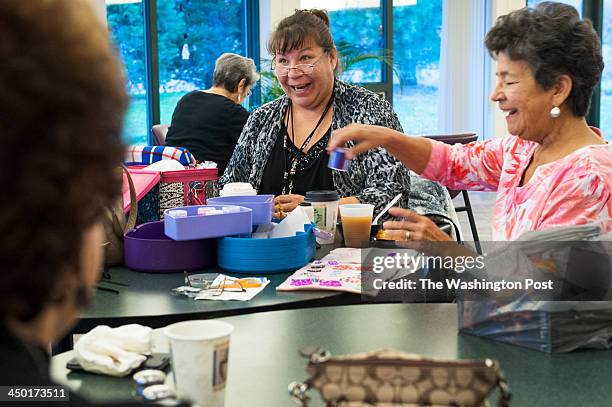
[499, 8]
[468, 73]
[462, 89]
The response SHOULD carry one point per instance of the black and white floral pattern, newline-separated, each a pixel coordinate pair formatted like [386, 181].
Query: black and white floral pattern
[374, 177]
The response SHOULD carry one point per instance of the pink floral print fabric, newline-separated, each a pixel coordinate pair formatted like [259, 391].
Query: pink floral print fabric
[573, 190]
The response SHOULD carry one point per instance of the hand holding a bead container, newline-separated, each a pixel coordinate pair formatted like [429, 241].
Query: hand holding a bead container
[413, 152]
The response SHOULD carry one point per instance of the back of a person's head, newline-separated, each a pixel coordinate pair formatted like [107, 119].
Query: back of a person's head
[230, 69]
[302, 26]
[62, 99]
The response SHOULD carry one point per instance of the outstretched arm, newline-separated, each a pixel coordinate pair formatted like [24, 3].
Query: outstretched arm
[413, 152]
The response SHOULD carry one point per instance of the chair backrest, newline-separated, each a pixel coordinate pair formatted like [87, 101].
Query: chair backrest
[159, 132]
[462, 138]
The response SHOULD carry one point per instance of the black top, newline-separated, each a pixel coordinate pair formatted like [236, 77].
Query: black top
[24, 364]
[312, 171]
[27, 364]
[208, 125]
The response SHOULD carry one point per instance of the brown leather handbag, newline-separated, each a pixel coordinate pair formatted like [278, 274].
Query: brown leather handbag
[116, 226]
[392, 378]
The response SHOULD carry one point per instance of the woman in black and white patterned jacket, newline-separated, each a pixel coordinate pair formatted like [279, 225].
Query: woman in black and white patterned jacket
[281, 150]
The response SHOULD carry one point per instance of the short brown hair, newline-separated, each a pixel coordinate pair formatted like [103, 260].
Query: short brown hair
[62, 100]
[554, 41]
[303, 25]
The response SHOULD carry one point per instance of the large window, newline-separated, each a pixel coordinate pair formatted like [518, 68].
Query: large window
[576, 3]
[126, 25]
[357, 27]
[191, 35]
[416, 50]
[357, 30]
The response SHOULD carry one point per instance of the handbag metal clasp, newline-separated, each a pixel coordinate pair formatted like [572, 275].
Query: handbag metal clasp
[315, 354]
[297, 392]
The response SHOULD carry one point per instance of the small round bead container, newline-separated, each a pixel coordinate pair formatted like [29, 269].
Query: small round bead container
[205, 211]
[178, 213]
[231, 209]
[158, 392]
[146, 378]
[337, 160]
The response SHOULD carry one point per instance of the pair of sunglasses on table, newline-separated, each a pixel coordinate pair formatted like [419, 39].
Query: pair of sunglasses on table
[208, 282]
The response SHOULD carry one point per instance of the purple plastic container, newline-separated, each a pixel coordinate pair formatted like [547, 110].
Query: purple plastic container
[195, 226]
[148, 249]
[260, 204]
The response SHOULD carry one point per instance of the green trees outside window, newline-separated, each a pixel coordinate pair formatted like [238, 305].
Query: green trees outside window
[193, 33]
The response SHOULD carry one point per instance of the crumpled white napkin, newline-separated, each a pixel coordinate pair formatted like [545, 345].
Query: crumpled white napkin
[165, 165]
[113, 351]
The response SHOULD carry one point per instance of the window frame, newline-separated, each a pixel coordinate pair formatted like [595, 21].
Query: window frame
[385, 86]
[594, 11]
[251, 40]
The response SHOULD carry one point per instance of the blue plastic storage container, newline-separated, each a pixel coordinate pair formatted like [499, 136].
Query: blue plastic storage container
[260, 204]
[265, 256]
[195, 226]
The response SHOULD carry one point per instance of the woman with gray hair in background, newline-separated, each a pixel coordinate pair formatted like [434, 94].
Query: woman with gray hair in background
[209, 122]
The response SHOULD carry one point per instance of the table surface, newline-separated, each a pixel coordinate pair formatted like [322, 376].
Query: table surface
[147, 299]
[264, 360]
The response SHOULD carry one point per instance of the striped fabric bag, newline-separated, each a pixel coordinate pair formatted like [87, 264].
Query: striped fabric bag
[145, 155]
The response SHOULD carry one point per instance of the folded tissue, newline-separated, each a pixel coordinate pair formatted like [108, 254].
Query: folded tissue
[113, 351]
[293, 223]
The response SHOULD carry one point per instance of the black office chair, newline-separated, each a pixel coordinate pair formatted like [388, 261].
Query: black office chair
[159, 132]
[463, 138]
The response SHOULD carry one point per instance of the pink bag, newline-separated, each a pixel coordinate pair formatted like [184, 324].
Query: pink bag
[144, 181]
[190, 186]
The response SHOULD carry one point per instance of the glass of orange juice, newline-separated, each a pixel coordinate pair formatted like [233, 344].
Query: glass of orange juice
[356, 222]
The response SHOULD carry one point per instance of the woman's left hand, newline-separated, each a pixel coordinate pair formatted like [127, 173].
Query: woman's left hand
[414, 227]
[286, 203]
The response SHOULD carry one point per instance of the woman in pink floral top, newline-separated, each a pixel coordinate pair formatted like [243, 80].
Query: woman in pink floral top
[553, 170]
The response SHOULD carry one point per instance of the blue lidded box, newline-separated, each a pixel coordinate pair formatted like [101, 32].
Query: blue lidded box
[266, 256]
[184, 223]
[262, 205]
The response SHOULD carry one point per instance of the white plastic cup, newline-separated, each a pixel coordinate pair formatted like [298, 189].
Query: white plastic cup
[356, 224]
[199, 353]
[238, 189]
[325, 211]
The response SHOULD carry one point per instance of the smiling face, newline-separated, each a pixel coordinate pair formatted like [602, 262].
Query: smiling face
[311, 90]
[525, 104]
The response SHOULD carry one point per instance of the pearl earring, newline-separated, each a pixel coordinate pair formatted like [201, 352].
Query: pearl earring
[555, 112]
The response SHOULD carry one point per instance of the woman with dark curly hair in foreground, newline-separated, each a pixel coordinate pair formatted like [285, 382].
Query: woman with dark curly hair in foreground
[553, 169]
[62, 99]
